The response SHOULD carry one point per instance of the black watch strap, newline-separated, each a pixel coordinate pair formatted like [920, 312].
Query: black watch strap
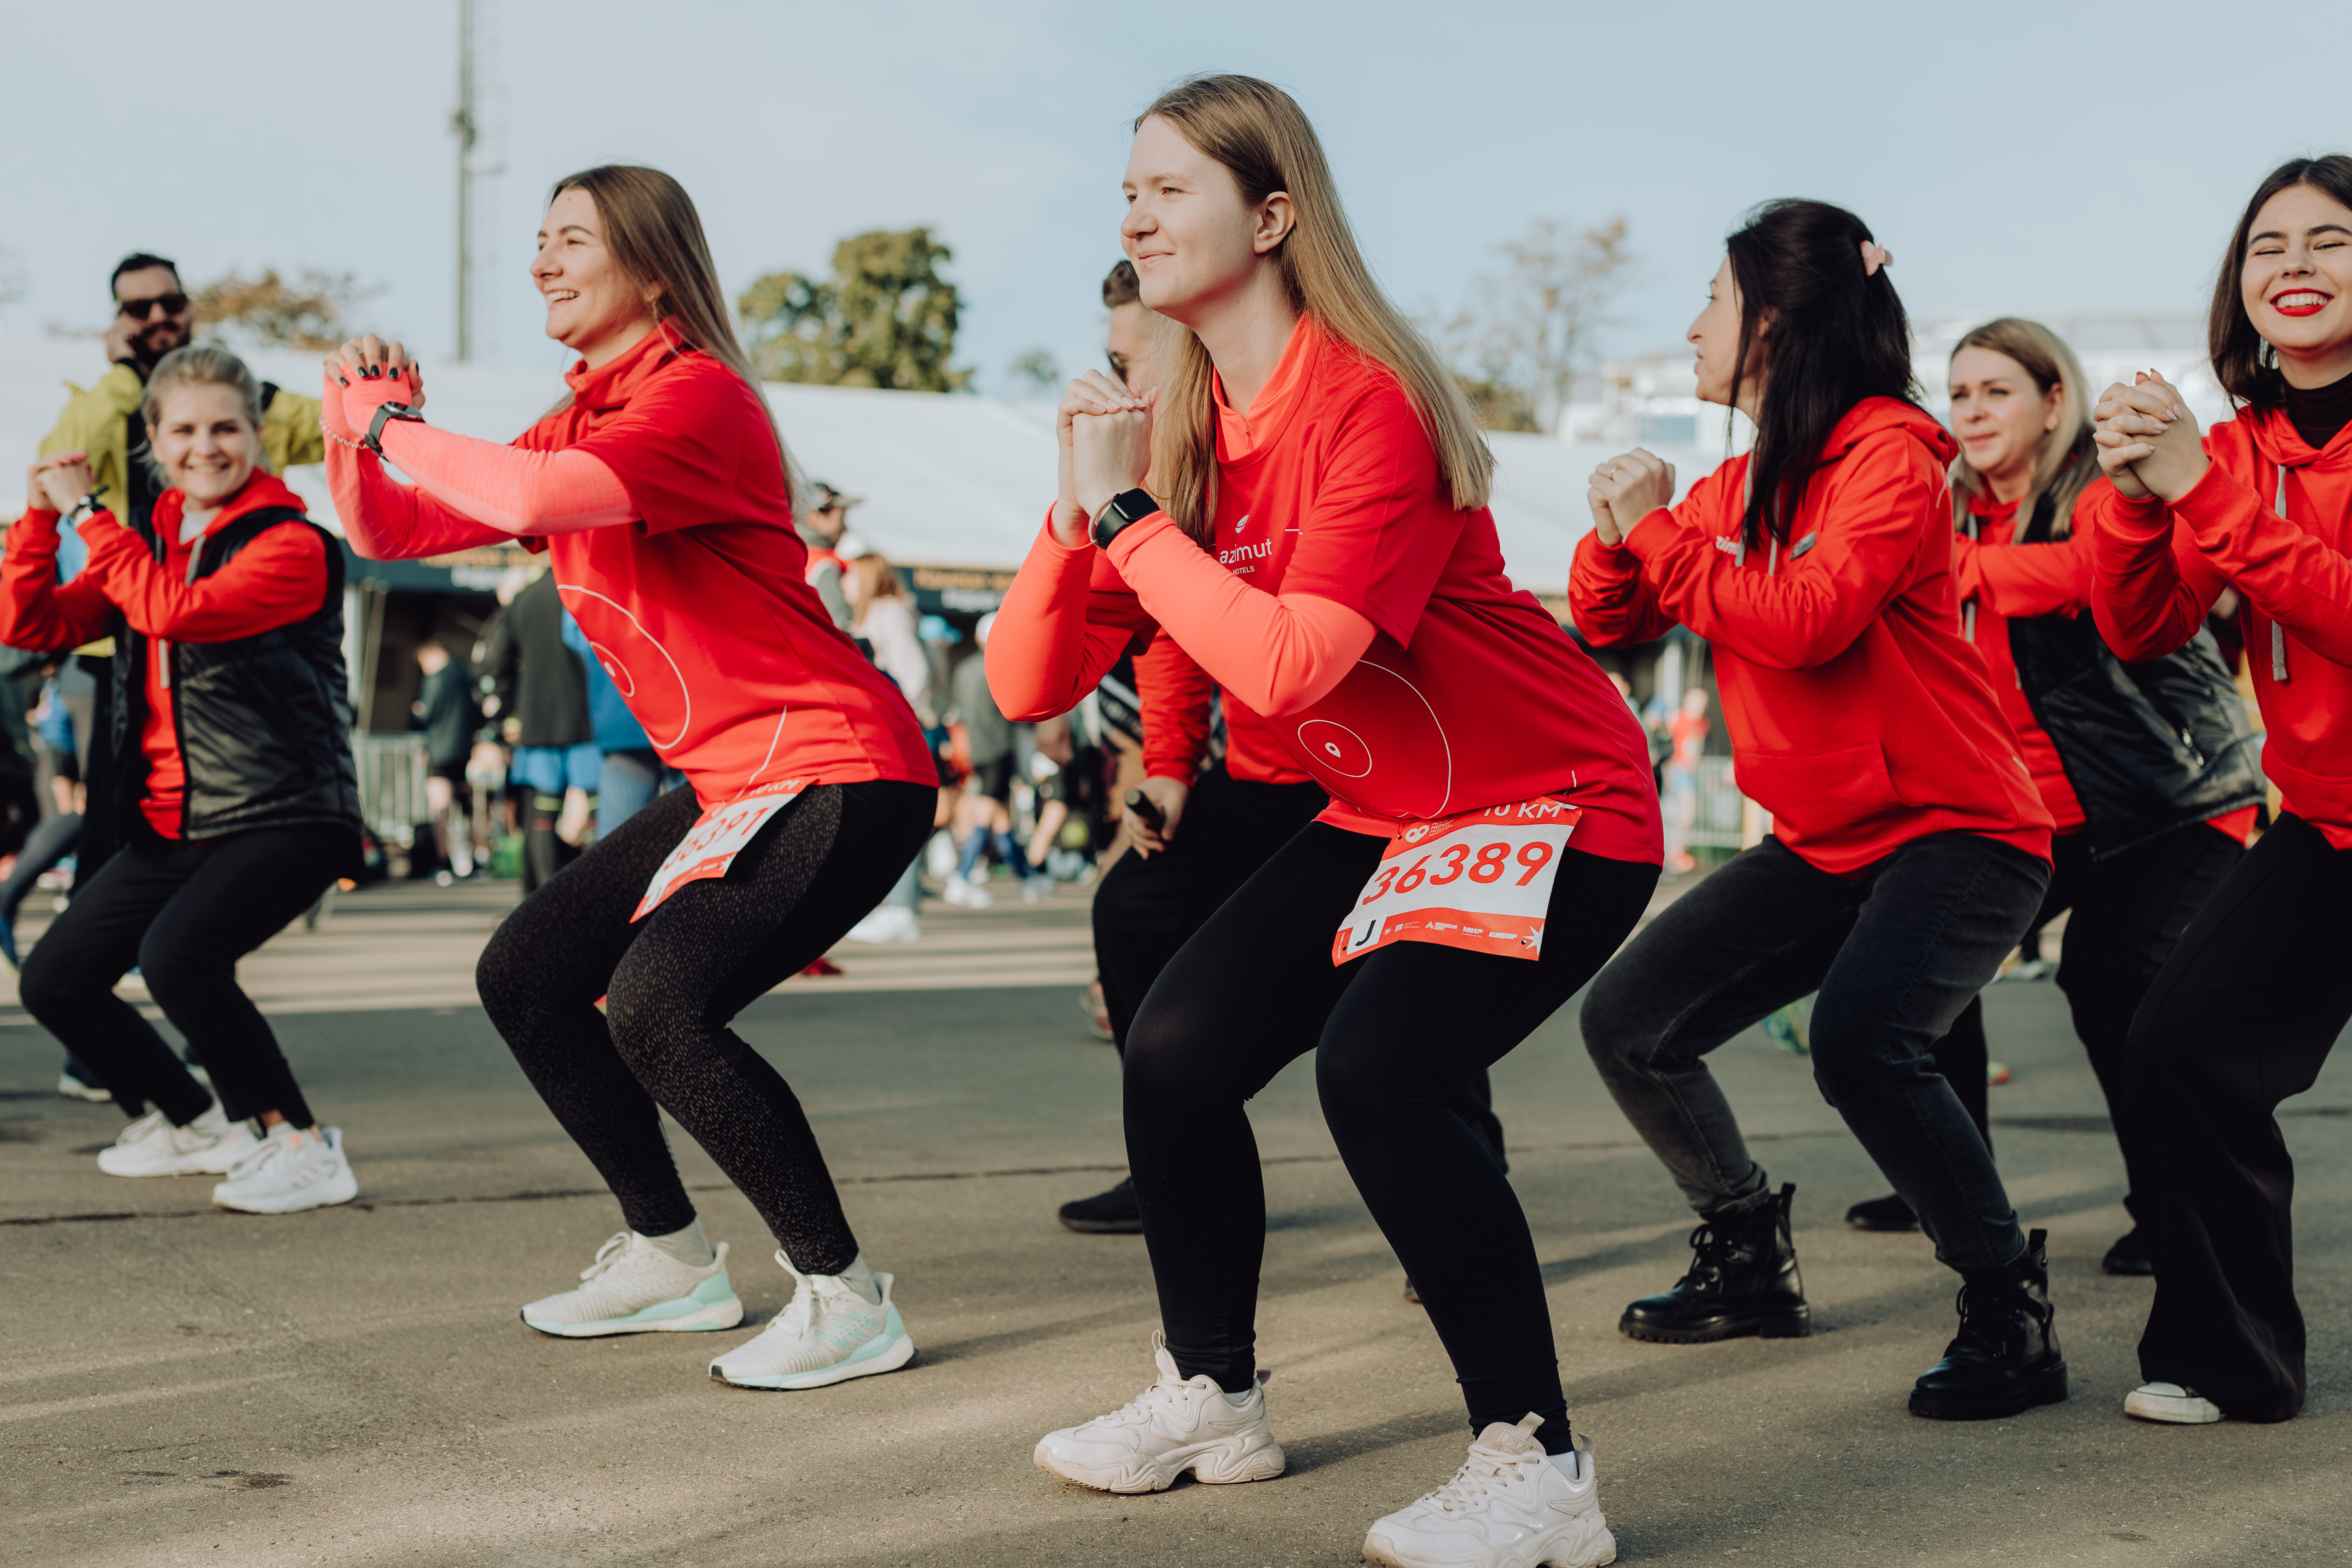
[1122, 510]
[385, 412]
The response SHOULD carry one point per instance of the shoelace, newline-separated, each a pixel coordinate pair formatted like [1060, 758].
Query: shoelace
[607, 1256]
[1140, 1409]
[140, 1130]
[253, 1165]
[1711, 1252]
[1486, 1470]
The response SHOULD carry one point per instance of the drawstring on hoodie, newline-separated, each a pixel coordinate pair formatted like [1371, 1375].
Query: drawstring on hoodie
[2278, 633]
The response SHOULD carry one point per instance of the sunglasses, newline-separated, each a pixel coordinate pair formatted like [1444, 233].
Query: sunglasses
[145, 310]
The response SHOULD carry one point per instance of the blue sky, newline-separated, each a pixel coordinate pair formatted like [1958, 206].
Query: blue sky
[2016, 158]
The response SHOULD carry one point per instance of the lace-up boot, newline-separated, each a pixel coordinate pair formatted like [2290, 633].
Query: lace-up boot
[1178, 1424]
[1743, 1280]
[2005, 1358]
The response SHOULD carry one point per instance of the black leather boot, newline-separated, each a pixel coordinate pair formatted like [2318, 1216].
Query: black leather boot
[2005, 1358]
[2129, 1255]
[1743, 1280]
[1889, 1213]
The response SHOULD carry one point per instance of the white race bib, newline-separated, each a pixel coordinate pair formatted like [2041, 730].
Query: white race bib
[717, 836]
[1481, 881]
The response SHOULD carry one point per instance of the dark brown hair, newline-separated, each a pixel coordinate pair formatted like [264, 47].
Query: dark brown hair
[2242, 362]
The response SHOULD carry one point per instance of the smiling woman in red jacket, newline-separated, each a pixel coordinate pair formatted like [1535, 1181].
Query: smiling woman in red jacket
[1910, 847]
[1326, 556]
[236, 802]
[2249, 1004]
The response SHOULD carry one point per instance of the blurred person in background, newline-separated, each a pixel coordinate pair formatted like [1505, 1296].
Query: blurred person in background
[235, 796]
[629, 771]
[988, 740]
[542, 696]
[886, 622]
[2148, 828]
[450, 714]
[823, 528]
[1687, 731]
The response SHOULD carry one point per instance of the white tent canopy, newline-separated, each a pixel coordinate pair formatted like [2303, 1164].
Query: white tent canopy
[946, 482]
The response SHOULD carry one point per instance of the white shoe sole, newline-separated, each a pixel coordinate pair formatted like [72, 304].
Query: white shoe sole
[1217, 1464]
[718, 1315]
[2196, 1411]
[890, 1360]
[325, 1194]
[74, 1089]
[192, 1165]
[1582, 1542]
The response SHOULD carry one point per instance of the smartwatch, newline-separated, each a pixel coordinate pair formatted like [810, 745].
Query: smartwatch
[1122, 510]
[384, 414]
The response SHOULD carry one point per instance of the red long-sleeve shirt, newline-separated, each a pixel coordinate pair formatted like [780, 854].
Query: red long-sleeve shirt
[1859, 717]
[276, 580]
[2004, 582]
[1175, 692]
[2156, 570]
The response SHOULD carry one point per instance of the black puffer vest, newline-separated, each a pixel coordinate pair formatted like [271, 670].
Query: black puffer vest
[2149, 747]
[264, 722]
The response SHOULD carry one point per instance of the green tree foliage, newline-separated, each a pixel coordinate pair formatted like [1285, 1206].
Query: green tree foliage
[1036, 373]
[271, 313]
[886, 317]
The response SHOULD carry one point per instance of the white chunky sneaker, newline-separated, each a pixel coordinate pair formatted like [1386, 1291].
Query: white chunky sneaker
[828, 1334]
[965, 894]
[891, 922]
[636, 1288]
[290, 1171]
[1176, 1424]
[152, 1146]
[2170, 1402]
[1511, 1505]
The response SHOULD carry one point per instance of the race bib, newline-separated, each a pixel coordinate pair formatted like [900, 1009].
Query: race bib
[1481, 881]
[710, 846]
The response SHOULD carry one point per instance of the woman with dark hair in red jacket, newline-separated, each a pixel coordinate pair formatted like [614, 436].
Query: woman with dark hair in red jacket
[1909, 849]
[2256, 992]
[660, 492]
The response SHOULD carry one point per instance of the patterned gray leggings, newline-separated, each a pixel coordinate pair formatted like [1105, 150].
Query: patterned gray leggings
[675, 980]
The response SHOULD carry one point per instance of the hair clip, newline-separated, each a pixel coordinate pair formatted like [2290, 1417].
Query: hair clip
[1874, 257]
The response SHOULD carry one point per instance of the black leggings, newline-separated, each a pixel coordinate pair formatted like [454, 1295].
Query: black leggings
[1396, 1033]
[2241, 1017]
[673, 981]
[185, 911]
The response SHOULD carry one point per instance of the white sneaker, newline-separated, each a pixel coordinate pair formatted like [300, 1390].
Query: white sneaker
[290, 1171]
[1511, 1505]
[2170, 1402]
[828, 1334]
[964, 896]
[1176, 1424]
[152, 1146]
[74, 1088]
[1037, 889]
[636, 1288]
[939, 855]
[891, 922]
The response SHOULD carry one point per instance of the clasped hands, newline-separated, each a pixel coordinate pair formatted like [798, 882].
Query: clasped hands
[2149, 441]
[1627, 489]
[362, 376]
[1105, 433]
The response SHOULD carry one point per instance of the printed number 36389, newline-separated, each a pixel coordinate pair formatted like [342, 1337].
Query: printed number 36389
[1489, 865]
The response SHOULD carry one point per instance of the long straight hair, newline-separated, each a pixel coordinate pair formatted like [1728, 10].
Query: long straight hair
[1266, 141]
[1833, 335]
[2245, 364]
[656, 236]
[2060, 470]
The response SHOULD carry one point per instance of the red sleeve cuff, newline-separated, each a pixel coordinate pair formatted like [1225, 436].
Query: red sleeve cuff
[1649, 536]
[2149, 517]
[1131, 537]
[2210, 499]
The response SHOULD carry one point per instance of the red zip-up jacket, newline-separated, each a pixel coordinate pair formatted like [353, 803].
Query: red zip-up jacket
[279, 579]
[2273, 518]
[1860, 718]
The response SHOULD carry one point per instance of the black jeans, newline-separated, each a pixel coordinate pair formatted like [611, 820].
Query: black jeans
[674, 980]
[185, 911]
[2241, 1017]
[1397, 1034]
[1897, 952]
[1147, 908]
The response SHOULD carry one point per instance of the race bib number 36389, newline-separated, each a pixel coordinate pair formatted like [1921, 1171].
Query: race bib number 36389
[1481, 881]
[710, 845]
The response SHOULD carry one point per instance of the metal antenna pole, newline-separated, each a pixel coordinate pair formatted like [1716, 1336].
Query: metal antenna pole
[465, 125]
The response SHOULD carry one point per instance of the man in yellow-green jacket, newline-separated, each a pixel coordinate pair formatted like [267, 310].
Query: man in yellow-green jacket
[152, 316]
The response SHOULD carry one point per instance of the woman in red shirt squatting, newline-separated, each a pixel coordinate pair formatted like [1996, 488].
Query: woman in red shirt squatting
[1327, 557]
[2245, 1011]
[235, 801]
[1909, 847]
[658, 490]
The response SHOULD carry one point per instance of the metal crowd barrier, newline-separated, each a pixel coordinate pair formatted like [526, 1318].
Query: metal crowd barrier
[391, 772]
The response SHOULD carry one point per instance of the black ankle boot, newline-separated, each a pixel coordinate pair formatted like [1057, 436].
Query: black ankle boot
[1889, 1213]
[2129, 1255]
[2005, 1358]
[1743, 1280]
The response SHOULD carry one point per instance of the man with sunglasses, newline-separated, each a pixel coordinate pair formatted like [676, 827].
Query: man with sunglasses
[152, 316]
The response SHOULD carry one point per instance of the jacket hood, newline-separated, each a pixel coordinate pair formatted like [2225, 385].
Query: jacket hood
[2275, 437]
[1872, 415]
[263, 490]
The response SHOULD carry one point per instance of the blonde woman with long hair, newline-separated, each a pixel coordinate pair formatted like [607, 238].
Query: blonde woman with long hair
[1325, 551]
[2146, 828]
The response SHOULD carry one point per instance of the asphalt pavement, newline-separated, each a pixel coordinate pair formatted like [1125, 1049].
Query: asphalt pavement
[181, 1385]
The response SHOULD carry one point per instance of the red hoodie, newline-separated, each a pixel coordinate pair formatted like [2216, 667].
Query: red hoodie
[2273, 518]
[1859, 716]
[276, 580]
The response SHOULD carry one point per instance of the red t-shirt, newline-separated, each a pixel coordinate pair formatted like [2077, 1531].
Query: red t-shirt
[701, 611]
